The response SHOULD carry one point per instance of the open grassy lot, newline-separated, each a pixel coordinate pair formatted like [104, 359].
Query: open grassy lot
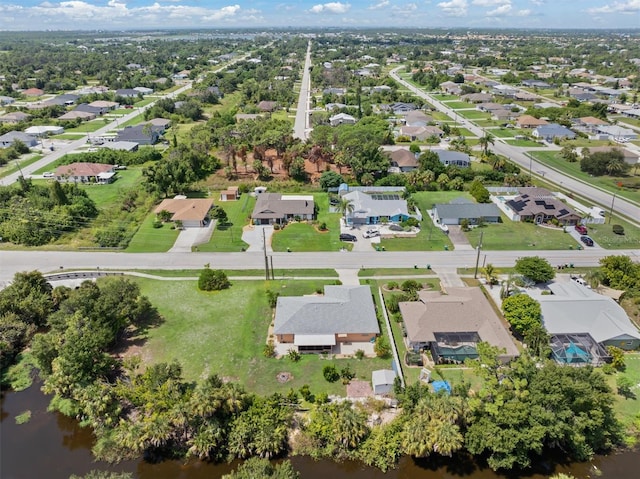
[439, 116]
[504, 132]
[488, 123]
[87, 127]
[68, 136]
[466, 133]
[514, 235]
[459, 105]
[474, 114]
[603, 235]
[225, 333]
[609, 183]
[133, 121]
[21, 162]
[421, 270]
[305, 236]
[152, 240]
[228, 238]
[105, 195]
[628, 408]
[259, 273]
[523, 143]
[445, 97]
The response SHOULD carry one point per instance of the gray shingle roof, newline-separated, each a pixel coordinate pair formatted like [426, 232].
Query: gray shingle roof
[365, 205]
[572, 308]
[467, 210]
[275, 205]
[342, 310]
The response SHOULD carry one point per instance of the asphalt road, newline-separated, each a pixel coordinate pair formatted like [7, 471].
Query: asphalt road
[52, 261]
[604, 199]
[301, 124]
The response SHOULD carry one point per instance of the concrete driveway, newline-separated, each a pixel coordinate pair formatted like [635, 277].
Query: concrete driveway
[253, 236]
[190, 237]
[459, 239]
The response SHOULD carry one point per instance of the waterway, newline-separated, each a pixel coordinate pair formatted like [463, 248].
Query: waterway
[53, 446]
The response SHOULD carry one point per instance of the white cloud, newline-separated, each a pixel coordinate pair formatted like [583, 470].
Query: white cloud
[379, 5]
[538, 2]
[332, 7]
[405, 9]
[523, 13]
[630, 6]
[489, 3]
[454, 8]
[500, 11]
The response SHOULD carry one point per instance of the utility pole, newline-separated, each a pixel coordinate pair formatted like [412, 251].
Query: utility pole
[272, 274]
[266, 259]
[611, 210]
[475, 274]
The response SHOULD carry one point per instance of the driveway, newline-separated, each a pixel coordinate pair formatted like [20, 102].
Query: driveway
[253, 236]
[572, 231]
[190, 237]
[459, 239]
[363, 244]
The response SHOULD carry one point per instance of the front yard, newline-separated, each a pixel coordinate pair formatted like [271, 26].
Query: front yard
[225, 332]
[228, 237]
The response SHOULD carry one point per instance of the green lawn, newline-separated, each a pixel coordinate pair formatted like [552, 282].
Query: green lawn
[87, 127]
[609, 183]
[504, 132]
[466, 133]
[628, 409]
[152, 240]
[105, 195]
[68, 136]
[439, 116]
[12, 167]
[474, 114]
[604, 236]
[515, 235]
[225, 332]
[524, 143]
[228, 238]
[278, 273]
[305, 237]
[488, 123]
[445, 97]
[459, 105]
[419, 271]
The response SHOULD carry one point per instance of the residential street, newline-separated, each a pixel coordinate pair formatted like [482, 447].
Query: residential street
[50, 261]
[516, 154]
[301, 125]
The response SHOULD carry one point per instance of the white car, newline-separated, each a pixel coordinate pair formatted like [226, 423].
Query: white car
[48, 174]
[371, 233]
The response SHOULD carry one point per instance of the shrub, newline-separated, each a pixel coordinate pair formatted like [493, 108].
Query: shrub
[618, 229]
[269, 349]
[617, 358]
[411, 286]
[359, 354]
[213, 280]
[322, 398]
[276, 227]
[323, 226]
[382, 347]
[157, 224]
[392, 285]
[272, 297]
[330, 373]
[305, 392]
[410, 222]
[347, 375]
[294, 355]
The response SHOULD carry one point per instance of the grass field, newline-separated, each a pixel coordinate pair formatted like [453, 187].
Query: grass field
[228, 238]
[15, 165]
[504, 132]
[439, 116]
[474, 114]
[105, 195]
[152, 240]
[225, 332]
[258, 273]
[604, 236]
[459, 105]
[87, 127]
[628, 408]
[466, 133]
[513, 235]
[523, 143]
[609, 183]
[445, 97]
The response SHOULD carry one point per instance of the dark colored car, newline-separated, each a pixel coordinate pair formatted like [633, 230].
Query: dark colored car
[586, 240]
[348, 237]
[581, 229]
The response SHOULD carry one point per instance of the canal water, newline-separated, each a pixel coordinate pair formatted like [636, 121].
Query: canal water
[53, 446]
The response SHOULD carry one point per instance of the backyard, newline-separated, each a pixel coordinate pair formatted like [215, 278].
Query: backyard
[228, 237]
[225, 332]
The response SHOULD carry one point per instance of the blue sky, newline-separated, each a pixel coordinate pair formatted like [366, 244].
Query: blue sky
[139, 14]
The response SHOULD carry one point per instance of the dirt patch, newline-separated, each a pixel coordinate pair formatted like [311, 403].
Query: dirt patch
[284, 377]
[359, 389]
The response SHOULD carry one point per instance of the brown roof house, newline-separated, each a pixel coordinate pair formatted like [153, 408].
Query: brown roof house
[276, 208]
[99, 173]
[451, 325]
[402, 160]
[230, 194]
[192, 212]
[341, 321]
[266, 106]
[528, 121]
[538, 205]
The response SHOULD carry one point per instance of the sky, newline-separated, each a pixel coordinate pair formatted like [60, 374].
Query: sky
[152, 14]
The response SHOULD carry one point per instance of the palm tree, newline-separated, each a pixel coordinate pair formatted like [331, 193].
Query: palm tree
[345, 207]
[485, 141]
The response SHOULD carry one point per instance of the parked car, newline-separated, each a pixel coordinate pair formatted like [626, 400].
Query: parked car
[371, 233]
[48, 174]
[586, 240]
[348, 237]
[581, 229]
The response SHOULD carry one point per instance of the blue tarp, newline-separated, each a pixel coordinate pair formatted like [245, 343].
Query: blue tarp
[441, 386]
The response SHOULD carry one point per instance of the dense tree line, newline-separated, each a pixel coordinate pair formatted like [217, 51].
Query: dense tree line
[33, 214]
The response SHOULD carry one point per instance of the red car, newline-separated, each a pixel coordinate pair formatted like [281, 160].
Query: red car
[581, 229]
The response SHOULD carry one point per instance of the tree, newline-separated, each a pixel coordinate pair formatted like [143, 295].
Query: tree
[345, 206]
[382, 347]
[537, 269]
[479, 192]
[330, 179]
[259, 468]
[568, 152]
[522, 312]
[617, 357]
[485, 141]
[213, 280]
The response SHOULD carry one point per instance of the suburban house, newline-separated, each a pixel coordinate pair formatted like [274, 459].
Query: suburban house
[103, 104]
[33, 92]
[528, 121]
[614, 132]
[267, 106]
[576, 309]
[192, 212]
[6, 100]
[374, 208]
[7, 140]
[477, 97]
[463, 209]
[538, 205]
[401, 108]
[128, 93]
[383, 381]
[14, 117]
[230, 194]
[343, 317]
[451, 88]
[629, 156]
[451, 325]
[420, 133]
[342, 119]
[456, 158]
[402, 160]
[77, 115]
[99, 173]
[588, 124]
[141, 134]
[40, 131]
[417, 118]
[553, 131]
[276, 208]
[121, 145]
